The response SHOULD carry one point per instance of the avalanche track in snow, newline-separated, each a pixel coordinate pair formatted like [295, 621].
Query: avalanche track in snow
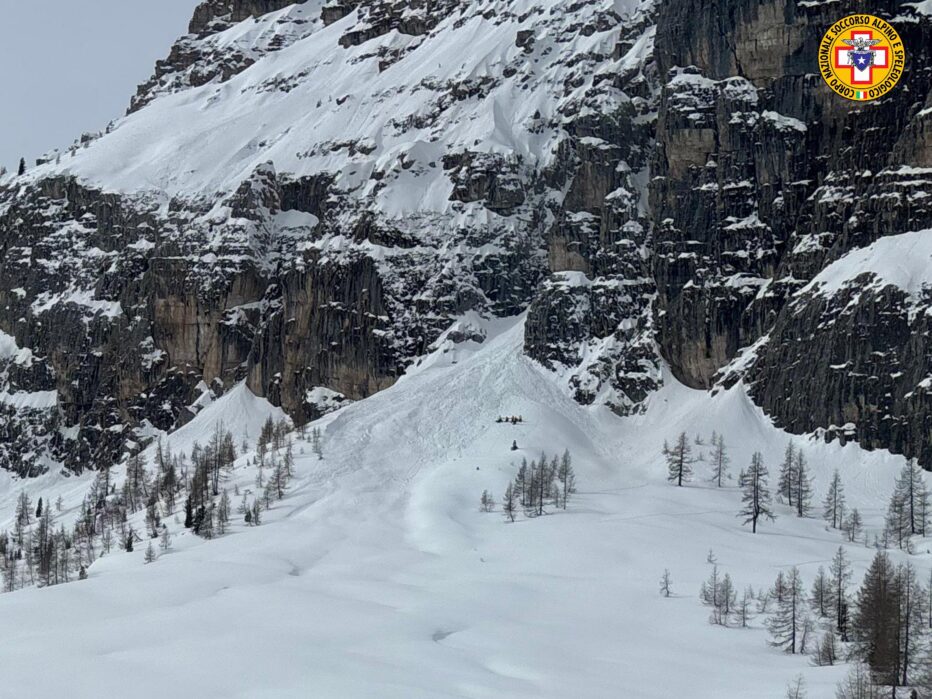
[377, 576]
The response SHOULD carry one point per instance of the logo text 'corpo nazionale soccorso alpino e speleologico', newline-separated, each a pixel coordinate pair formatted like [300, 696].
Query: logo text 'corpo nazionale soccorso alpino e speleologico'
[861, 57]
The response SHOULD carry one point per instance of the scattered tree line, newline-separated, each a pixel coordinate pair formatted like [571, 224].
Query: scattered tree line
[680, 459]
[883, 628]
[274, 462]
[889, 628]
[795, 485]
[908, 511]
[39, 551]
[908, 514]
[816, 623]
[212, 466]
[544, 482]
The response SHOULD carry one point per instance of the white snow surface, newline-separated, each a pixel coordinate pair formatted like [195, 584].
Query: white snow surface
[8, 346]
[238, 411]
[377, 576]
[211, 138]
[903, 261]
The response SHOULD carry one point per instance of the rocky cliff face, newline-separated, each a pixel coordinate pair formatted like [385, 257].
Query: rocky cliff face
[306, 197]
[325, 189]
[762, 178]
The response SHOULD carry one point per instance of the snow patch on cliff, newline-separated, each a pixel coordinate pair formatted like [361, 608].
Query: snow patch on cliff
[903, 261]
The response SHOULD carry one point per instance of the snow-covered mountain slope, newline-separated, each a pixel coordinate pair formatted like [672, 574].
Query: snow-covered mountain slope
[309, 197]
[378, 576]
[306, 196]
[309, 108]
[400, 220]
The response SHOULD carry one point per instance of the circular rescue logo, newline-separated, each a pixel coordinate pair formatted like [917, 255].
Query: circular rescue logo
[861, 57]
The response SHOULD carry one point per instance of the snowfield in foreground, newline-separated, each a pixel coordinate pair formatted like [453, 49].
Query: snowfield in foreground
[377, 576]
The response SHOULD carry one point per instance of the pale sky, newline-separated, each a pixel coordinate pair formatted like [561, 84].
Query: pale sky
[70, 66]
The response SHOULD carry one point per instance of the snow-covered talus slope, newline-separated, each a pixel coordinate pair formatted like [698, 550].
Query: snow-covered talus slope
[307, 198]
[378, 576]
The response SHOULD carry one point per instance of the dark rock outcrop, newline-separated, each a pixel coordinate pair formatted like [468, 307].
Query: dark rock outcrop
[215, 15]
[157, 325]
[763, 177]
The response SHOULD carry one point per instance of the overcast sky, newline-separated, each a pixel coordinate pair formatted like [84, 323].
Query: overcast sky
[69, 66]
